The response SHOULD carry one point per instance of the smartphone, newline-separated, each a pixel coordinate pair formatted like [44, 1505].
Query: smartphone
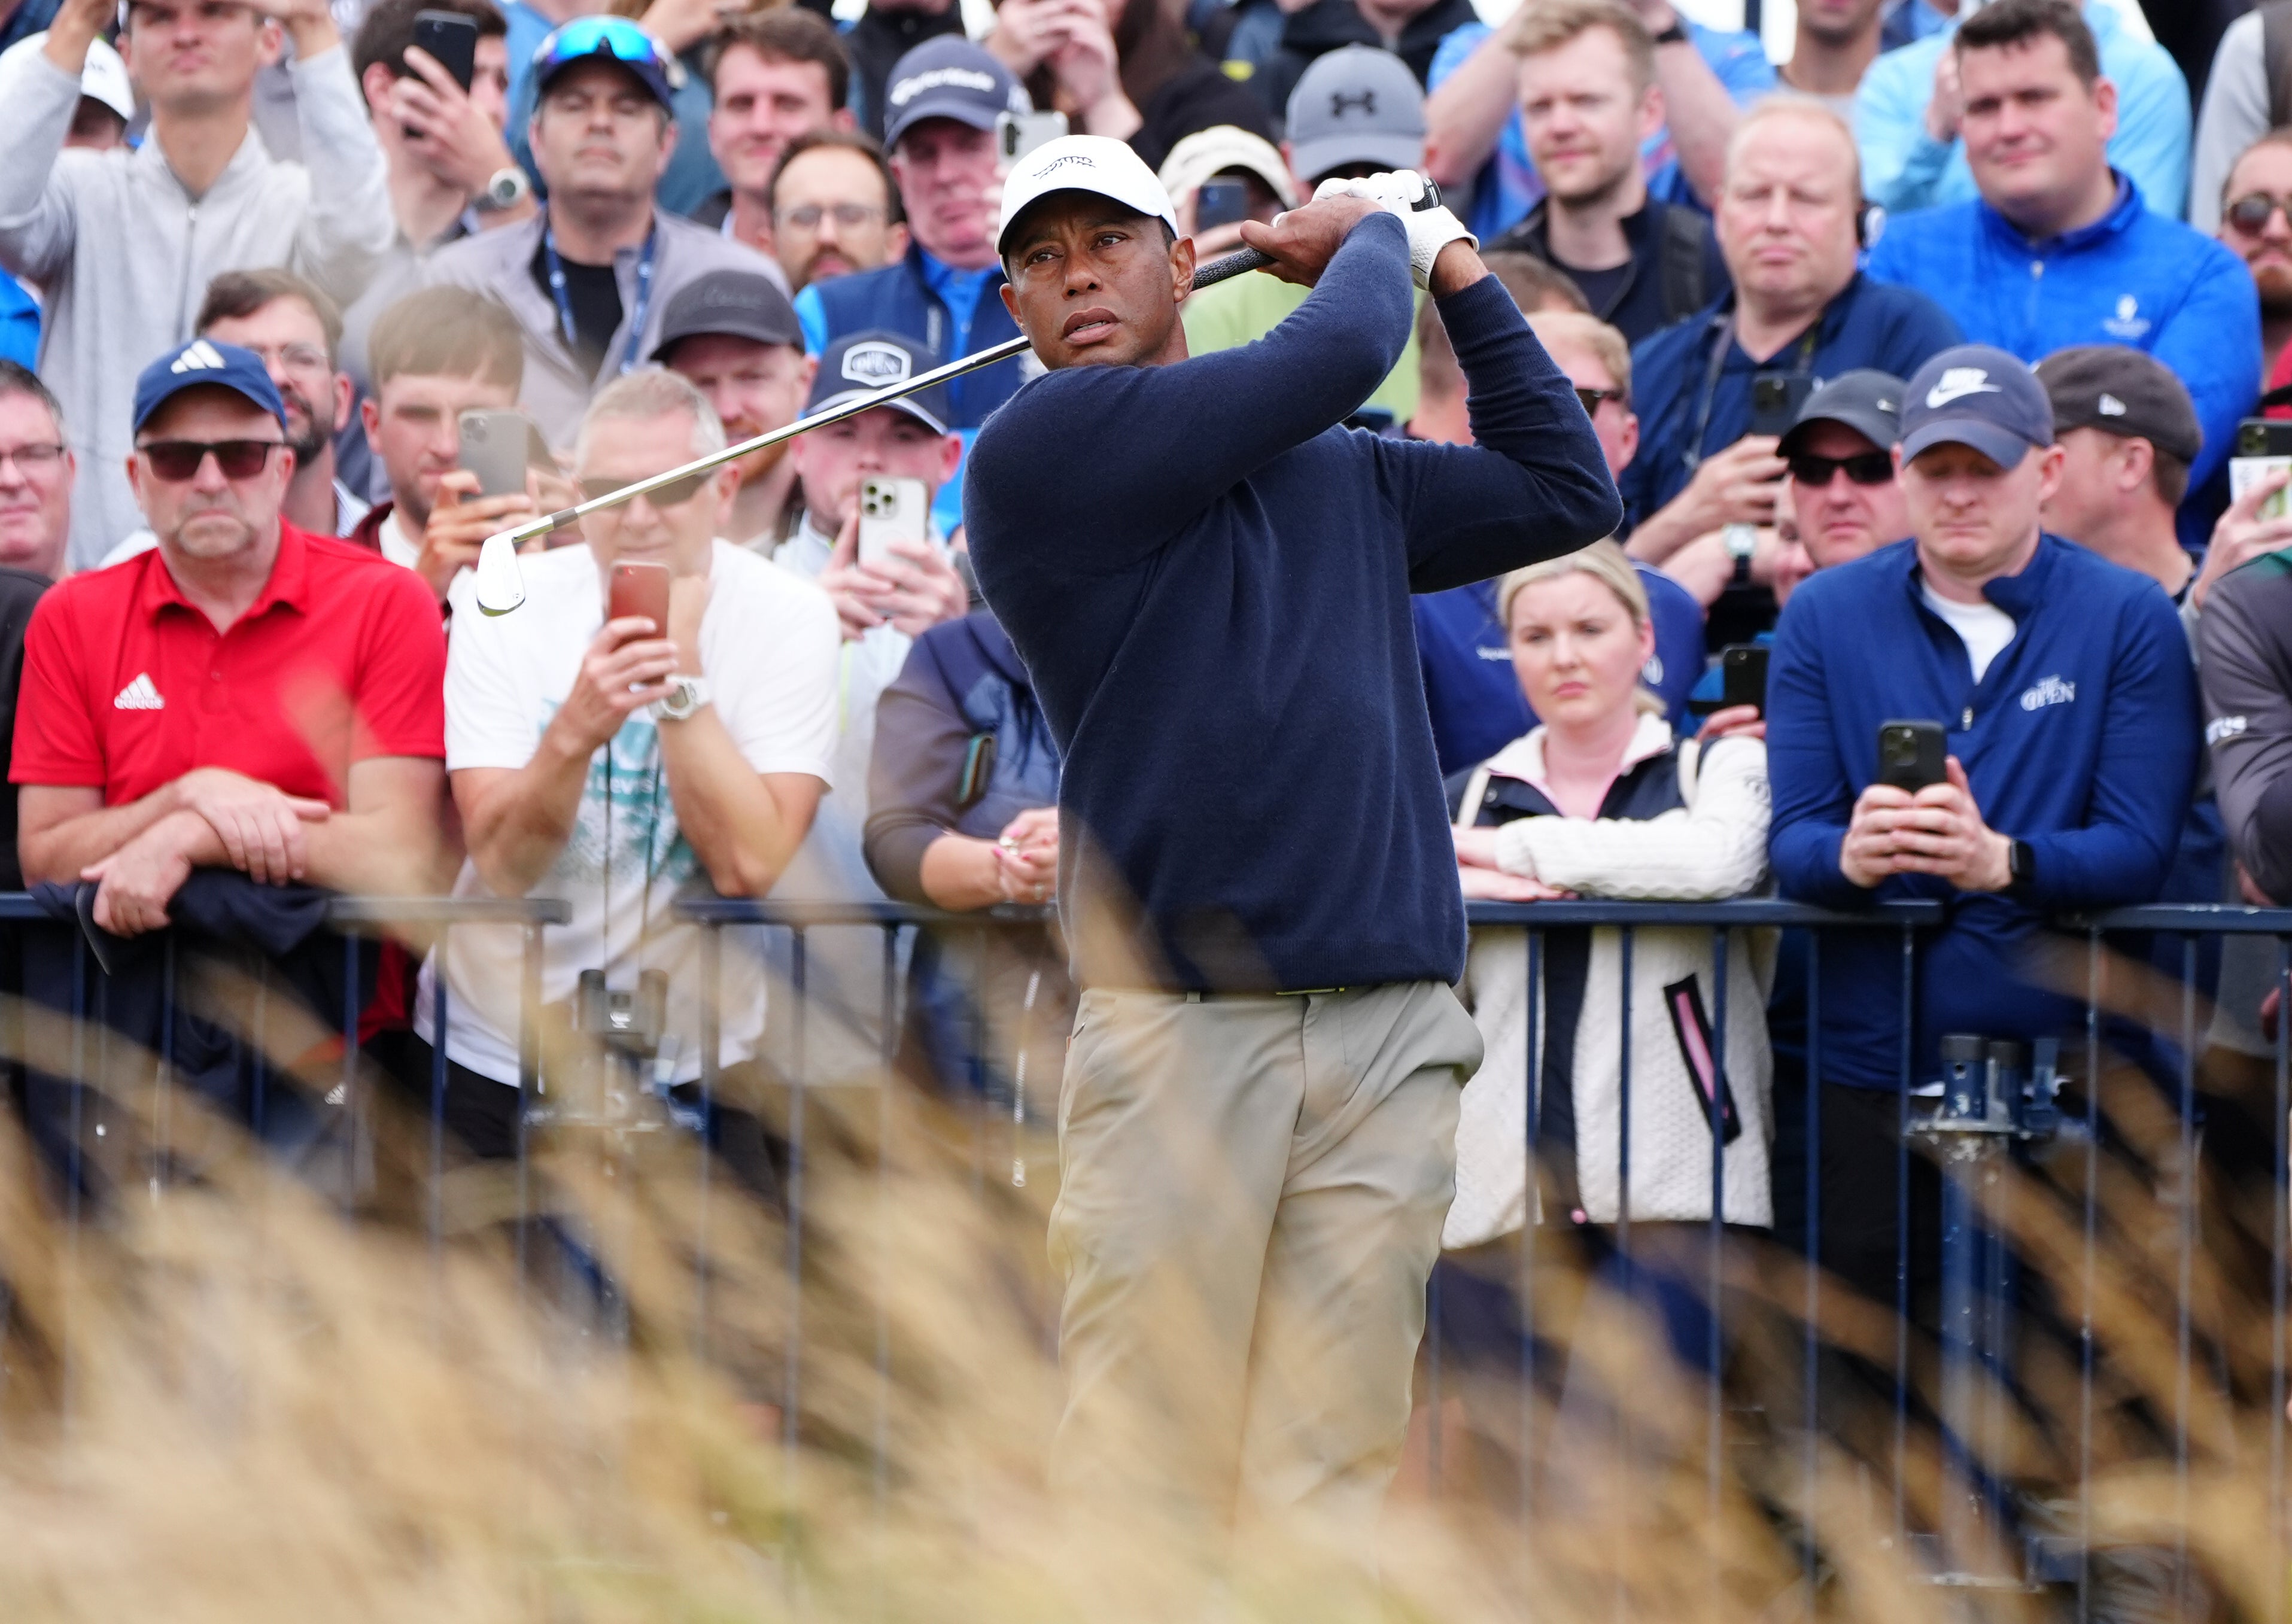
[1743, 676]
[978, 772]
[1221, 203]
[891, 510]
[497, 445]
[453, 39]
[1776, 398]
[1910, 754]
[2263, 446]
[640, 587]
[1016, 134]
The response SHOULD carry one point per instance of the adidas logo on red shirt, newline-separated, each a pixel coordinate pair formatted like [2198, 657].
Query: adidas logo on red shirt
[139, 695]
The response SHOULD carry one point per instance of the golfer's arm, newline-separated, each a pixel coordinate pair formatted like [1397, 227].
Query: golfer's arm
[517, 819]
[1536, 483]
[743, 825]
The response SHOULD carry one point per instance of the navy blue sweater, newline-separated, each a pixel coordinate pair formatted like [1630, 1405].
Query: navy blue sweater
[1210, 581]
[2080, 738]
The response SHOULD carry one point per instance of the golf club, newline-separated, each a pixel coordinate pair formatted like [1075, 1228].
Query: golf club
[500, 585]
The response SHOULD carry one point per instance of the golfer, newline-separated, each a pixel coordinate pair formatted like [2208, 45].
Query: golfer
[1208, 579]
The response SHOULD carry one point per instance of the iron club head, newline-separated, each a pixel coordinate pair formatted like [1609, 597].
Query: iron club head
[501, 583]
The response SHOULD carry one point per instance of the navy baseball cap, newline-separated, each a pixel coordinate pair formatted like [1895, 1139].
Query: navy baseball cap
[949, 77]
[738, 303]
[1866, 400]
[1975, 395]
[205, 364]
[861, 363]
[614, 39]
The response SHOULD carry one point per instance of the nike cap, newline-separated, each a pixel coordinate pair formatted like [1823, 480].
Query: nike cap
[2124, 393]
[949, 77]
[735, 303]
[1975, 395]
[1867, 400]
[1355, 105]
[862, 363]
[1084, 163]
[204, 363]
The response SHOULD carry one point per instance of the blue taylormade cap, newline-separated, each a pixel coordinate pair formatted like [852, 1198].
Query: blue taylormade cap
[861, 363]
[949, 77]
[204, 363]
[1975, 395]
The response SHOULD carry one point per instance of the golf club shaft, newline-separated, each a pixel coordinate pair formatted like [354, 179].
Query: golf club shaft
[1217, 270]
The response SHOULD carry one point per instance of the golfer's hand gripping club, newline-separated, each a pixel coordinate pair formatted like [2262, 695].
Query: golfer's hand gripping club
[1414, 197]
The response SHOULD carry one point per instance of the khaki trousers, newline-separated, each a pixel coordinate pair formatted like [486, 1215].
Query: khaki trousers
[1251, 1196]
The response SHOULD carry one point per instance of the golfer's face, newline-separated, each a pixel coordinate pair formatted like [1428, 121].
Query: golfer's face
[1093, 284]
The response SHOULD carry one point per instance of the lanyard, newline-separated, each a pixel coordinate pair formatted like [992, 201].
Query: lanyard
[636, 319]
[1722, 339]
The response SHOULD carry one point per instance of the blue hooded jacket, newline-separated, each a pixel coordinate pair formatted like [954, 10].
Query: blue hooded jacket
[2080, 738]
[2132, 278]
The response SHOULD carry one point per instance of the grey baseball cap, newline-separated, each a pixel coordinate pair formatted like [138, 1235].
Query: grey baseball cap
[1356, 105]
[1866, 400]
[738, 304]
[2124, 393]
[1975, 395]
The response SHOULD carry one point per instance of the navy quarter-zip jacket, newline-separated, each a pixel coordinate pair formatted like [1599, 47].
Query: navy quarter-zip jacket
[2081, 738]
[1208, 579]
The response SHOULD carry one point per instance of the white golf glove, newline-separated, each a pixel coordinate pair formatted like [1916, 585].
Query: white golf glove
[1398, 191]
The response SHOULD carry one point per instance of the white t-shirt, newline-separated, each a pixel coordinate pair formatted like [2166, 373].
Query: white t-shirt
[1983, 628]
[395, 547]
[768, 644]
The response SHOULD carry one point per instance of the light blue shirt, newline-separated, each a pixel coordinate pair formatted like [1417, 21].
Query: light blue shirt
[1904, 168]
[1508, 185]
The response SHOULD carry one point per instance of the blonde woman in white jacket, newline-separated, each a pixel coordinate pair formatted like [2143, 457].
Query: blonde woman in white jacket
[1600, 800]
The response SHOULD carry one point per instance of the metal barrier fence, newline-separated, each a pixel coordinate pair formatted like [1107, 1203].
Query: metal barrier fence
[1976, 1123]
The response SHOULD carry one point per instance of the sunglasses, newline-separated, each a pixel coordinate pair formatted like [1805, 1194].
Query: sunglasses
[616, 37]
[2251, 213]
[671, 495]
[1866, 468]
[177, 460]
[1591, 397]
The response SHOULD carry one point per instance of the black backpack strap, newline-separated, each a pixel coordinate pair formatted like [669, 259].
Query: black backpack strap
[2276, 59]
[1686, 236]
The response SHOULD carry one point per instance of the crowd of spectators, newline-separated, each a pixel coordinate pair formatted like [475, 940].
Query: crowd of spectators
[1917, 359]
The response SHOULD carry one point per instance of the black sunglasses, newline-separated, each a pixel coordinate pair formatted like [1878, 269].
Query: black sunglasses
[667, 495]
[1865, 468]
[2251, 213]
[176, 460]
[1591, 397]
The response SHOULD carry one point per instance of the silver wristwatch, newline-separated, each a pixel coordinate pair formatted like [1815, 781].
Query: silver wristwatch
[507, 188]
[686, 694]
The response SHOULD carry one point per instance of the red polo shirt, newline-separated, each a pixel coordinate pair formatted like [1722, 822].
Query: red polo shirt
[127, 687]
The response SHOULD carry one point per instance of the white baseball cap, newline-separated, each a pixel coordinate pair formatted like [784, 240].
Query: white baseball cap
[103, 78]
[1084, 163]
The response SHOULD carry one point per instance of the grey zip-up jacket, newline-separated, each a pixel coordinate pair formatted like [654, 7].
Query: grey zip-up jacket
[122, 253]
[556, 391]
[2244, 662]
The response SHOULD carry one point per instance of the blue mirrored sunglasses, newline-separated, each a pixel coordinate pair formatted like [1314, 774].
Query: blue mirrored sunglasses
[614, 36]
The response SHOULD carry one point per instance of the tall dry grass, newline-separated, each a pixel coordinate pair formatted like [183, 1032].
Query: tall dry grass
[228, 1397]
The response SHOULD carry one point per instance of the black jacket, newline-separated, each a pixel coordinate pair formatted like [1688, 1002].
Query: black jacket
[20, 590]
[1675, 267]
[1326, 24]
[1198, 96]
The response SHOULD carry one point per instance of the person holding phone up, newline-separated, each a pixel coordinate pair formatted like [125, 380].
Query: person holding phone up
[2034, 707]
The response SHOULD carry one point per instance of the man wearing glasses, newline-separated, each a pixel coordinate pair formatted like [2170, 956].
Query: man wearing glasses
[833, 208]
[245, 696]
[589, 277]
[615, 762]
[2256, 225]
[121, 242]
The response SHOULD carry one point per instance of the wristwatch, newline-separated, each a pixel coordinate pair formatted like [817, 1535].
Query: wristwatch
[507, 188]
[2020, 866]
[686, 694]
[1742, 541]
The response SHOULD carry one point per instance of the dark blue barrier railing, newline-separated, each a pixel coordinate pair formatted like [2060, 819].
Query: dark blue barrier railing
[359, 919]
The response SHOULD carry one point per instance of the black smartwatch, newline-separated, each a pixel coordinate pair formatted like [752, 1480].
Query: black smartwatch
[2022, 866]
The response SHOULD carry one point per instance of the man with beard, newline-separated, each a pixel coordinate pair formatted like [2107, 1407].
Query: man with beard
[833, 205]
[2256, 225]
[295, 329]
[733, 336]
